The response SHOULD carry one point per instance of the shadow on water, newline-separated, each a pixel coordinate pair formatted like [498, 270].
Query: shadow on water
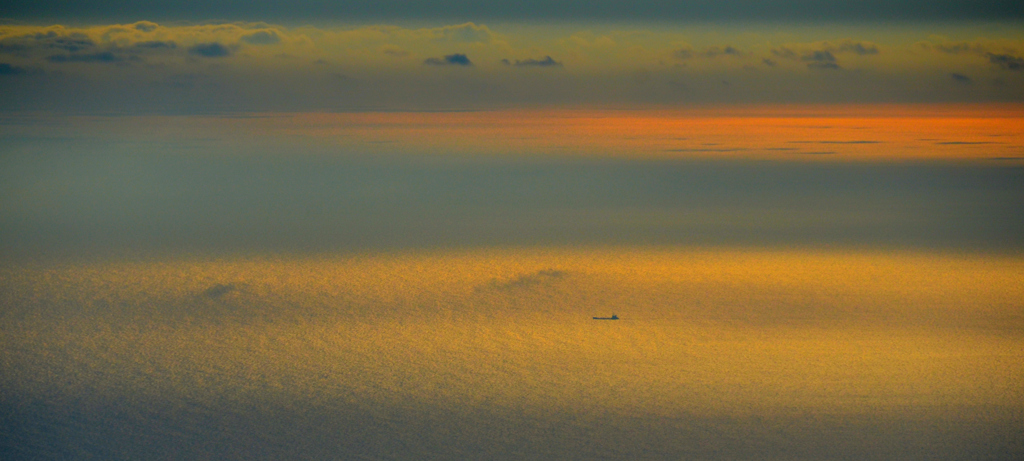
[223, 429]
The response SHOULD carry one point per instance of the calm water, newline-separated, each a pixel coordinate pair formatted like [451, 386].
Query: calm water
[492, 354]
[168, 296]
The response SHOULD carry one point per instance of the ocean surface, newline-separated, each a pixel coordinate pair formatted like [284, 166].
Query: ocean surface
[493, 354]
[423, 286]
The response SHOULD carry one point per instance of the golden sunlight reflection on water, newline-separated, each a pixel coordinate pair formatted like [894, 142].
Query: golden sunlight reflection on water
[726, 333]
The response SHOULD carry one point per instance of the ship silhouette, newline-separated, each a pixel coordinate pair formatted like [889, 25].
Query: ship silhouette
[613, 317]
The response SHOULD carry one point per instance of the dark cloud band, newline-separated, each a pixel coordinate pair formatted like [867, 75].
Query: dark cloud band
[456, 59]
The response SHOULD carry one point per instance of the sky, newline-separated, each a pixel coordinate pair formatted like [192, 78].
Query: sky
[239, 56]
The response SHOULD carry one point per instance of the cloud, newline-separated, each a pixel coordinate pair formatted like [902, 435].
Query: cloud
[391, 61]
[456, 59]
[546, 62]
[784, 52]
[378, 37]
[145, 26]
[155, 45]
[728, 50]
[53, 39]
[822, 55]
[466, 33]
[955, 47]
[100, 44]
[820, 59]
[59, 45]
[209, 50]
[849, 46]
[7, 69]
[1002, 53]
[132, 42]
[100, 57]
[961, 78]
[711, 52]
[823, 65]
[959, 48]
[683, 53]
[395, 52]
[1006, 61]
[262, 37]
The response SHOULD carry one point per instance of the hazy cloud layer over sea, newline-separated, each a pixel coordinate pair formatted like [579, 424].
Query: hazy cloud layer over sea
[175, 67]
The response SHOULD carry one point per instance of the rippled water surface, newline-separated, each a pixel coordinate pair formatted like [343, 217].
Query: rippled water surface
[493, 354]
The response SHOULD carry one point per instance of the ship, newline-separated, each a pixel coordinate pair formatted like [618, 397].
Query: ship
[613, 317]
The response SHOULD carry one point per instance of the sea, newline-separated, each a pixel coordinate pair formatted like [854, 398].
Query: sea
[494, 354]
[184, 303]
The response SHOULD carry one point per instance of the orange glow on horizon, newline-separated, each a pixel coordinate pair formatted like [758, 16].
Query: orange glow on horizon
[866, 133]
[842, 133]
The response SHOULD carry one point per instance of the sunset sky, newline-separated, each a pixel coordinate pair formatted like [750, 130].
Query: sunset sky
[228, 56]
[382, 229]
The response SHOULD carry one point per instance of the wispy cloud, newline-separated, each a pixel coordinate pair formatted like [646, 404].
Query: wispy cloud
[1003, 54]
[823, 55]
[398, 65]
[457, 59]
[961, 78]
[547, 61]
[101, 56]
[820, 60]
[209, 50]
[262, 37]
[1006, 61]
[7, 69]
[710, 52]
